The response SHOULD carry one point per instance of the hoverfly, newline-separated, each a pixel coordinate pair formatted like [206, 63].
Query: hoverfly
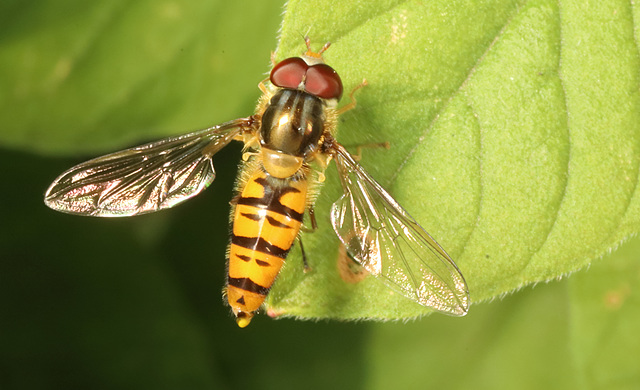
[288, 143]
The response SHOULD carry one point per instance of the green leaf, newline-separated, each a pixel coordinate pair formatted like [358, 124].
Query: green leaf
[514, 130]
[513, 125]
[94, 77]
[579, 333]
[605, 319]
[135, 303]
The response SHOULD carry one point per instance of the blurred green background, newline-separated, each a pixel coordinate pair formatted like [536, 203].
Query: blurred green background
[135, 303]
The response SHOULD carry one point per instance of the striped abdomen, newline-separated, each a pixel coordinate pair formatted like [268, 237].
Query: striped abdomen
[266, 221]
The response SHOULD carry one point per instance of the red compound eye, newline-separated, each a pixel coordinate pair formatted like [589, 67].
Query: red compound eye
[289, 73]
[323, 82]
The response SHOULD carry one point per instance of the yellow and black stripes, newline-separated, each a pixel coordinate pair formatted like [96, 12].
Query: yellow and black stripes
[266, 221]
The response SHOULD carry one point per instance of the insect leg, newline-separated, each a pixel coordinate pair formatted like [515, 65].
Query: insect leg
[314, 223]
[312, 217]
[358, 155]
[262, 85]
[305, 264]
[352, 103]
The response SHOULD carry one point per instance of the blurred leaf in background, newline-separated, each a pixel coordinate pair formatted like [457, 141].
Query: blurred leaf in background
[91, 77]
[514, 132]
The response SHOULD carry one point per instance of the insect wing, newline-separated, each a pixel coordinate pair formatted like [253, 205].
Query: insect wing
[143, 179]
[390, 244]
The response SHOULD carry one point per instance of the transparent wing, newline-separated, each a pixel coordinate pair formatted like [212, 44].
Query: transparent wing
[143, 179]
[390, 244]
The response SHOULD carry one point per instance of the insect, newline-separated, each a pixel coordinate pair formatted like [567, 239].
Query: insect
[288, 144]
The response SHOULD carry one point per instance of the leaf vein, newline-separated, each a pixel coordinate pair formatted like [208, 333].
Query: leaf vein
[569, 154]
[457, 91]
